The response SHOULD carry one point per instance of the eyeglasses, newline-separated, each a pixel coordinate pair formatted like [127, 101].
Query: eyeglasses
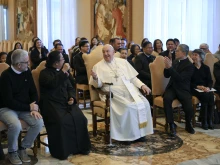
[24, 62]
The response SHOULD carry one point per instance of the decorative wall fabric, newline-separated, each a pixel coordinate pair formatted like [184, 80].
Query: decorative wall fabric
[4, 2]
[57, 20]
[191, 21]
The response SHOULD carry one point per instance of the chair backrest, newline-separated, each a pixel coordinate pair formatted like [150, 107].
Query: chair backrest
[5, 45]
[90, 60]
[1, 47]
[210, 60]
[36, 74]
[117, 54]
[3, 66]
[158, 81]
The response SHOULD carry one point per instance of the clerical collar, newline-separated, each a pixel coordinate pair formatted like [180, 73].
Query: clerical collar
[180, 60]
[16, 71]
[148, 55]
[57, 70]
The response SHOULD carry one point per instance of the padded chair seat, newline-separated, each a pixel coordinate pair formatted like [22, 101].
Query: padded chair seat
[217, 97]
[100, 112]
[195, 100]
[99, 104]
[158, 101]
[23, 124]
[82, 87]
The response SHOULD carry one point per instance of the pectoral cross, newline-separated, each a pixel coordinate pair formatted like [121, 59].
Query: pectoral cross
[116, 77]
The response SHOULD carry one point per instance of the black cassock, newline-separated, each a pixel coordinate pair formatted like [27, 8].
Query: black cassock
[66, 125]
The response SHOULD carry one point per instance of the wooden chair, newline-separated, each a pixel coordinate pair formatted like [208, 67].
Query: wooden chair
[25, 126]
[99, 108]
[36, 74]
[85, 96]
[159, 83]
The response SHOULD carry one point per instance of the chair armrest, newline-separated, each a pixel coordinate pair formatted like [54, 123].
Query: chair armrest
[99, 91]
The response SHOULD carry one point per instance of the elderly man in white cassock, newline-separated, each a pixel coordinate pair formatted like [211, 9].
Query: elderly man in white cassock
[131, 115]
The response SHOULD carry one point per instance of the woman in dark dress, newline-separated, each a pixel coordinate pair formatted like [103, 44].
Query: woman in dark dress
[65, 123]
[38, 54]
[202, 80]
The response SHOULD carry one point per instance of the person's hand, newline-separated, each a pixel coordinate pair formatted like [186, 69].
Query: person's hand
[66, 67]
[33, 106]
[36, 114]
[71, 101]
[167, 62]
[94, 75]
[203, 88]
[145, 89]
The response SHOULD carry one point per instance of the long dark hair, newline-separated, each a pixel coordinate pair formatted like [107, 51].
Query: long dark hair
[155, 45]
[52, 58]
[35, 42]
[17, 44]
[133, 48]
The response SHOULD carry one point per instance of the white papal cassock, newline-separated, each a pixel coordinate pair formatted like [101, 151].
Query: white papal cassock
[131, 114]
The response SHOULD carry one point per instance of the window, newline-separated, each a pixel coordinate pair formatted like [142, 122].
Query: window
[191, 21]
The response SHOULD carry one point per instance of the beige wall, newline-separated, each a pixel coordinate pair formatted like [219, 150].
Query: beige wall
[137, 21]
[84, 19]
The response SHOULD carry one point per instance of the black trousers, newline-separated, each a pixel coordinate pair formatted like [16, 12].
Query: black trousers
[184, 98]
[2, 156]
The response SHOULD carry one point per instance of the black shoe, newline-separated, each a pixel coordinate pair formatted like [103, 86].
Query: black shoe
[85, 152]
[205, 126]
[189, 129]
[142, 139]
[172, 129]
[211, 127]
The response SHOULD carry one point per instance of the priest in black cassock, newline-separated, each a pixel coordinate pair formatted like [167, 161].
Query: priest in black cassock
[64, 121]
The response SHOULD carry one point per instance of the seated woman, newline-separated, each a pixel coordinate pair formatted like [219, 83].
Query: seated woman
[158, 47]
[135, 49]
[202, 80]
[65, 123]
[17, 46]
[38, 54]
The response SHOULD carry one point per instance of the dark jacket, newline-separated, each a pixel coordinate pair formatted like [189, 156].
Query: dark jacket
[180, 75]
[35, 57]
[216, 72]
[201, 76]
[141, 65]
[166, 53]
[81, 73]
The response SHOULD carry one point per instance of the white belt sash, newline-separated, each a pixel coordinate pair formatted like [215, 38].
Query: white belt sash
[142, 114]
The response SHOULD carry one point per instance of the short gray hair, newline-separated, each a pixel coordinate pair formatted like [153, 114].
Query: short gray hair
[18, 56]
[204, 44]
[184, 48]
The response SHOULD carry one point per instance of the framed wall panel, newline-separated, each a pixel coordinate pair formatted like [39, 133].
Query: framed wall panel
[25, 19]
[111, 18]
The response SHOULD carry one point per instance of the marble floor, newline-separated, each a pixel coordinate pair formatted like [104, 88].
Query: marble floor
[202, 148]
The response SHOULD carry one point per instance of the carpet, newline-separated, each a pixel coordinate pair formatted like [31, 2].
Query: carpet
[34, 160]
[157, 143]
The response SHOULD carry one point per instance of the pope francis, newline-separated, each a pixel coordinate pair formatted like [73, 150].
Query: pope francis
[131, 115]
